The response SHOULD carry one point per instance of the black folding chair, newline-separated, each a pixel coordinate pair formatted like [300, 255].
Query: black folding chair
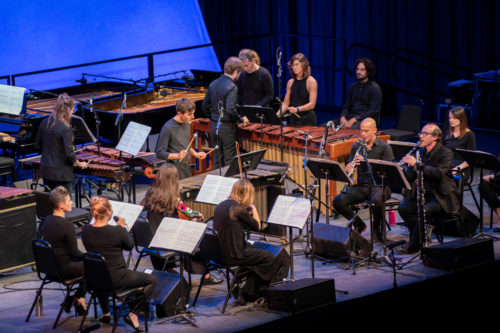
[46, 265]
[214, 258]
[98, 282]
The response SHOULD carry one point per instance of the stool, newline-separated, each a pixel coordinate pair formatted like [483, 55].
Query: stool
[8, 167]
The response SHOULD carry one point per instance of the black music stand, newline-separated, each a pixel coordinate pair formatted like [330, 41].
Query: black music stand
[400, 148]
[259, 114]
[249, 162]
[81, 130]
[482, 160]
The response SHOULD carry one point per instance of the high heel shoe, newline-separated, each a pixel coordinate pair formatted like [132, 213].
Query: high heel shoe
[131, 324]
[80, 310]
[105, 319]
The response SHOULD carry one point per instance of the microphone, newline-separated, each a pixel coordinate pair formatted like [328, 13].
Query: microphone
[116, 218]
[330, 124]
[220, 107]
[305, 133]
[339, 127]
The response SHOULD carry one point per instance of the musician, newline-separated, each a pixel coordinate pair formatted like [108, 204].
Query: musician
[222, 96]
[459, 135]
[175, 137]
[376, 149]
[301, 93]
[441, 193]
[110, 241]
[490, 190]
[255, 85]
[231, 217]
[55, 139]
[364, 97]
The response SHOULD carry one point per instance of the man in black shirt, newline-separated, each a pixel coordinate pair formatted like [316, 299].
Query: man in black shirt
[222, 96]
[376, 149]
[255, 85]
[364, 97]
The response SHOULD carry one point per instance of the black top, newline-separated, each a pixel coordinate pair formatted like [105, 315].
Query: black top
[230, 218]
[61, 236]
[299, 95]
[466, 141]
[56, 143]
[225, 90]
[363, 100]
[255, 88]
[380, 150]
[109, 241]
[155, 218]
[174, 137]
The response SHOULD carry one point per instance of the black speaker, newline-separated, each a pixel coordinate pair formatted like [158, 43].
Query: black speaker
[273, 191]
[334, 242]
[281, 259]
[460, 253]
[301, 295]
[167, 293]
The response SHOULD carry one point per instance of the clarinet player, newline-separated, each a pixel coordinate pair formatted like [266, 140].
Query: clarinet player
[439, 192]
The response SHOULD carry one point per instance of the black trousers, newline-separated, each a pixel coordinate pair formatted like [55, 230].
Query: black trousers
[228, 135]
[408, 212]
[490, 192]
[357, 194]
[52, 184]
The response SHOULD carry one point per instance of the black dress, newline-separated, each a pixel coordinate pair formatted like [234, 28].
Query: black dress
[230, 219]
[299, 95]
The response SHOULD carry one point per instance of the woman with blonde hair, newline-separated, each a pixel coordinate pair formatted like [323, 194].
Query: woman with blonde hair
[55, 139]
[231, 217]
[110, 241]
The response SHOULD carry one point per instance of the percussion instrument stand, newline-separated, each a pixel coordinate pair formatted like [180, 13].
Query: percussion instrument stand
[261, 117]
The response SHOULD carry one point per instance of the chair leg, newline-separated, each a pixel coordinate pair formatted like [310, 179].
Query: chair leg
[68, 293]
[146, 314]
[199, 287]
[38, 294]
[138, 260]
[119, 314]
[92, 297]
[229, 291]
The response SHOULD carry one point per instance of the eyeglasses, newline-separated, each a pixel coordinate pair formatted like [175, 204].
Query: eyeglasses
[424, 133]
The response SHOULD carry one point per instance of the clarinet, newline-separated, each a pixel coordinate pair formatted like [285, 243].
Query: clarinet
[427, 232]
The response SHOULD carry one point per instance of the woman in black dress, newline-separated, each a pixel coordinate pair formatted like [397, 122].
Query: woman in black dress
[459, 136]
[62, 238]
[301, 93]
[110, 241]
[231, 217]
[55, 139]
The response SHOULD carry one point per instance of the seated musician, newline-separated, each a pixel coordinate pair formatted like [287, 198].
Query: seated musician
[301, 93]
[376, 149]
[231, 217]
[490, 190]
[163, 200]
[440, 191]
[174, 141]
[460, 136]
[55, 139]
[110, 241]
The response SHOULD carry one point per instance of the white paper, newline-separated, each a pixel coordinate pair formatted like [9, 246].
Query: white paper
[133, 139]
[11, 99]
[128, 211]
[178, 235]
[290, 211]
[215, 189]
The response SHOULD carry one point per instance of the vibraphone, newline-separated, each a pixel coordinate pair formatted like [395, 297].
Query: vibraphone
[337, 148]
[267, 173]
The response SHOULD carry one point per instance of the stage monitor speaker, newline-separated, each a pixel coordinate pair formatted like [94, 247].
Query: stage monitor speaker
[460, 253]
[301, 295]
[281, 259]
[167, 293]
[336, 242]
[273, 191]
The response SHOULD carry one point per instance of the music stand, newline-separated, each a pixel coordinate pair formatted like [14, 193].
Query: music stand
[400, 148]
[482, 160]
[249, 162]
[81, 130]
[259, 114]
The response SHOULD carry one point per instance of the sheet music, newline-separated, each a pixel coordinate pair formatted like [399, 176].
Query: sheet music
[133, 139]
[128, 211]
[290, 211]
[178, 235]
[215, 189]
[11, 99]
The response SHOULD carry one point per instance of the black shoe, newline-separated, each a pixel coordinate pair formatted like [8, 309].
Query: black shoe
[80, 310]
[68, 303]
[212, 280]
[407, 249]
[496, 229]
[241, 299]
[358, 224]
[131, 324]
[105, 319]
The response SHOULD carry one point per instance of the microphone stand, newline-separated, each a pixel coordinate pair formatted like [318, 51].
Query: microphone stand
[279, 53]
[118, 120]
[97, 125]
[321, 153]
[217, 133]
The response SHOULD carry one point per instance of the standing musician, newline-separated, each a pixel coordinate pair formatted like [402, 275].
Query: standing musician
[55, 139]
[174, 141]
[441, 193]
[301, 93]
[376, 149]
[364, 97]
[255, 85]
[222, 96]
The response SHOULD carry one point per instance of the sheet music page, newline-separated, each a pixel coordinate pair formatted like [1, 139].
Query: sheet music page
[128, 211]
[178, 235]
[11, 99]
[133, 139]
[290, 211]
[215, 189]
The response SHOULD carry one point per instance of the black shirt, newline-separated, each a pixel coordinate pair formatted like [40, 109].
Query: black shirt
[466, 141]
[255, 88]
[380, 150]
[225, 90]
[363, 100]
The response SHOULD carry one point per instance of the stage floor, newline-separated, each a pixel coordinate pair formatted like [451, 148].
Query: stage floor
[17, 290]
